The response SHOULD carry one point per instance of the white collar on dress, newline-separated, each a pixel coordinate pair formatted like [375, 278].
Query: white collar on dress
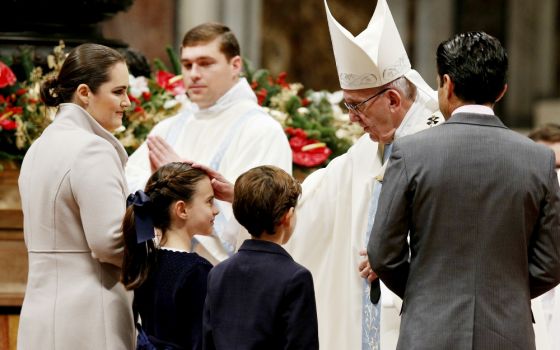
[177, 250]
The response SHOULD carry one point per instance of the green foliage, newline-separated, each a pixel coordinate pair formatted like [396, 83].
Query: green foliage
[27, 61]
[320, 118]
[174, 59]
[159, 65]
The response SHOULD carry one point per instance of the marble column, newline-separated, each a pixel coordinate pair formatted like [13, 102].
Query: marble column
[242, 16]
[434, 23]
[531, 44]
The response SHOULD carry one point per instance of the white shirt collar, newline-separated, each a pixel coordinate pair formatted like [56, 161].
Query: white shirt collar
[476, 109]
[240, 91]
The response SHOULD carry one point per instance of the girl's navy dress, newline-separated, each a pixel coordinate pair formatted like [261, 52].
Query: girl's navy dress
[171, 301]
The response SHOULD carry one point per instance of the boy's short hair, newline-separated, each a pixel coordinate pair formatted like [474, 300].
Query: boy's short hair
[262, 196]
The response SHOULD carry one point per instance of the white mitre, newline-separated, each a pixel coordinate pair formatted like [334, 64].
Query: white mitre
[375, 57]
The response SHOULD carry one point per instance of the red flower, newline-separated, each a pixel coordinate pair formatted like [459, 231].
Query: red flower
[261, 95]
[15, 110]
[254, 85]
[133, 99]
[8, 124]
[307, 152]
[305, 102]
[146, 95]
[296, 132]
[138, 109]
[7, 77]
[281, 80]
[170, 82]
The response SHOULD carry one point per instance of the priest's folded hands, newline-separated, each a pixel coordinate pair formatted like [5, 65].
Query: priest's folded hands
[161, 153]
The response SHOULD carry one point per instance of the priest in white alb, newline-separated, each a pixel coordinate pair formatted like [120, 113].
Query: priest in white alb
[335, 214]
[223, 128]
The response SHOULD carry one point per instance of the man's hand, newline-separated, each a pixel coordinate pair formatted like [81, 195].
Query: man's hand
[223, 189]
[160, 152]
[364, 268]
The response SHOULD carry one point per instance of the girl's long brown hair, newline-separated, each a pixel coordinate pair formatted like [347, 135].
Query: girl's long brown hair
[170, 183]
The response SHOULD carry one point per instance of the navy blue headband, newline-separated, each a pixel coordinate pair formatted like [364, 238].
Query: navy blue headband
[142, 219]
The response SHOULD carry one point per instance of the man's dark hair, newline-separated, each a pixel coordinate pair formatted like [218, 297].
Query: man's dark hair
[207, 32]
[476, 63]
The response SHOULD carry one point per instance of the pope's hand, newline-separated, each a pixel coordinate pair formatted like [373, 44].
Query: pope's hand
[364, 268]
[223, 189]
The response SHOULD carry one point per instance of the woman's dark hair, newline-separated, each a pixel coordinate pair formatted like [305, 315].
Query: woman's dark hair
[86, 64]
[170, 183]
[477, 64]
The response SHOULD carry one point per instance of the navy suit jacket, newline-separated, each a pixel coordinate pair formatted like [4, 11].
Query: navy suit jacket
[260, 298]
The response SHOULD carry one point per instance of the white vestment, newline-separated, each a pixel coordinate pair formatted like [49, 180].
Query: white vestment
[546, 312]
[234, 135]
[332, 217]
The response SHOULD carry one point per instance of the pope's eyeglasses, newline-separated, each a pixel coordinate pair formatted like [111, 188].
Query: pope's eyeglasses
[355, 107]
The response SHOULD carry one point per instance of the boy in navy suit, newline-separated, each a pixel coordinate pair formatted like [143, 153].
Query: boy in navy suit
[260, 298]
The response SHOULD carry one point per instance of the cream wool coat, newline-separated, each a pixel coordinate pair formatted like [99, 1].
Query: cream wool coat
[73, 195]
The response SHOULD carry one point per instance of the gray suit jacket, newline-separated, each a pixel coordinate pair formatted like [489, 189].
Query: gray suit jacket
[482, 206]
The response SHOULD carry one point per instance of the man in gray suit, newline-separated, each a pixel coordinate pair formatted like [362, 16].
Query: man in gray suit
[482, 207]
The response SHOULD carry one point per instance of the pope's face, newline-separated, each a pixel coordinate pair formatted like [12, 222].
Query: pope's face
[374, 116]
[207, 73]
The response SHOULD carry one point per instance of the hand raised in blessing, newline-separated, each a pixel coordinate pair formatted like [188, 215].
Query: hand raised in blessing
[160, 152]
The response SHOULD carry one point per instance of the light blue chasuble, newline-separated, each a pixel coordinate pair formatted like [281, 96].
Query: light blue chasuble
[370, 312]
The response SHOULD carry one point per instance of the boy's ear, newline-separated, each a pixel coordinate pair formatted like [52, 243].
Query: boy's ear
[286, 219]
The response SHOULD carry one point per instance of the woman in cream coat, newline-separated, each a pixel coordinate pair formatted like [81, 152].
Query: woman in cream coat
[73, 193]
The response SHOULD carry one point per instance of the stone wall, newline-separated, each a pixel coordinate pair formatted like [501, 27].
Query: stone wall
[148, 26]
